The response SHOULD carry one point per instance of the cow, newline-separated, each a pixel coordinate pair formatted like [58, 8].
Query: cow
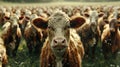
[104, 19]
[34, 38]
[90, 33]
[111, 38]
[11, 35]
[3, 55]
[61, 48]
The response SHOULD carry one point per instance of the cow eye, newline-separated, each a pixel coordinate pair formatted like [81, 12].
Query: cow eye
[66, 27]
[50, 28]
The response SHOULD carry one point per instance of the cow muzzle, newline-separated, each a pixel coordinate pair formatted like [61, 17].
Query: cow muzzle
[59, 44]
[112, 30]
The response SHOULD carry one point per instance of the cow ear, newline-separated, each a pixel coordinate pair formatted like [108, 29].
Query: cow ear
[118, 23]
[6, 18]
[76, 22]
[21, 17]
[40, 23]
[86, 15]
[100, 14]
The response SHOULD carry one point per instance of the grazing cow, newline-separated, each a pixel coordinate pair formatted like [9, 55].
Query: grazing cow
[89, 33]
[62, 48]
[111, 38]
[3, 55]
[11, 35]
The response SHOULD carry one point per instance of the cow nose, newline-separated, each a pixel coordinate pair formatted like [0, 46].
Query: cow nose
[59, 40]
[93, 23]
[112, 30]
[59, 43]
[14, 26]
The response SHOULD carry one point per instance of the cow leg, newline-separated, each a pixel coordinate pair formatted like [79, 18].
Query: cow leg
[3, 65]
[16, 46]
[114, 55]
[105, 50]
[37, 48]
[86, 50]
[94, 48]
[30, 48]
[8, 50]
[93, 51]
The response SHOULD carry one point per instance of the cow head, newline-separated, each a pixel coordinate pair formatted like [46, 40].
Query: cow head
[114, 24]
[114, 20]
[14, 25]
[93, 18]
[58, 28]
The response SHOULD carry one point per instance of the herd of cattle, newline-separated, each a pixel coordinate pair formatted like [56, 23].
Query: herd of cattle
[61, 35]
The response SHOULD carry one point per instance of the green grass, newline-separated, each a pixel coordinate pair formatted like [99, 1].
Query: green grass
[23, 59]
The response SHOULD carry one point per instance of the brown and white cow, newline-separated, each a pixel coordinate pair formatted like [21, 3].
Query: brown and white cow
[34, 38]
[61, 48]
[11, 35]
[89, 32]
[111, 38]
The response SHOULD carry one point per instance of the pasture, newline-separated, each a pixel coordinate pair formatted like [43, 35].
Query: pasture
[23, 59]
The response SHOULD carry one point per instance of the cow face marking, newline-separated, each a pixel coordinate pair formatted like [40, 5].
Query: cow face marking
[93, 17]
[14, 22]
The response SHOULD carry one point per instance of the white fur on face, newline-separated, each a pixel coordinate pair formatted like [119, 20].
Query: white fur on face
[58, 27]
[58, 23]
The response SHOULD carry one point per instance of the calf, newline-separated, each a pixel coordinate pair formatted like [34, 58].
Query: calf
[61, 48]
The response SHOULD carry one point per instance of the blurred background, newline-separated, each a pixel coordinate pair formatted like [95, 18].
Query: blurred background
[29, 1]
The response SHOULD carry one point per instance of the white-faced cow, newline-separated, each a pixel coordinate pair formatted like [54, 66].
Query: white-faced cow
[61, 48]
[89, 32]
[11, 35]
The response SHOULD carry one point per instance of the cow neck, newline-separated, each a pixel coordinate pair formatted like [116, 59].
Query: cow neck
[113, 35]
[71, 58]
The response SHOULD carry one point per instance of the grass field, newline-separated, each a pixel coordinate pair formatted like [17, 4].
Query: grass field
[23, 59]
